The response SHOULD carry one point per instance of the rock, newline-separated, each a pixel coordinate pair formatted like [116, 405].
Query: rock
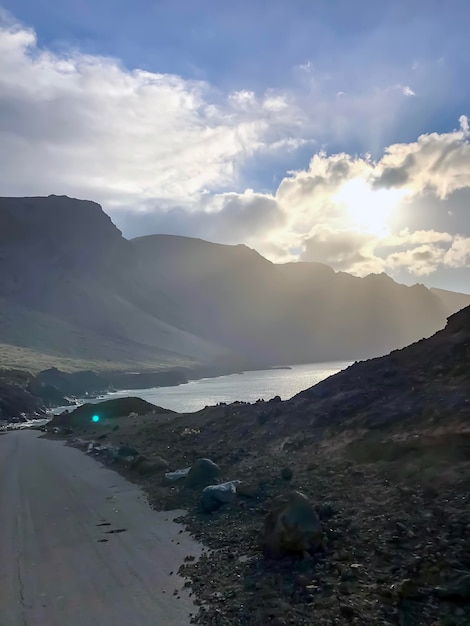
[81, 444]
[325, 511]
[286, 473]
[291, 527]
[144, 466]
[178, 474]
[214, 496]
[406, 588]
[202, 473]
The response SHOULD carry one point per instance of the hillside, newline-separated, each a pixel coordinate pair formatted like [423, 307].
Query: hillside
[382, 449]
[297, 312]
[75, 294]
[67, 290]
[453, 301]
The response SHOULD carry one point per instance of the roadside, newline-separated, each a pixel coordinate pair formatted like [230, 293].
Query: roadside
[382, 449]
[395, 511]
[80, 544]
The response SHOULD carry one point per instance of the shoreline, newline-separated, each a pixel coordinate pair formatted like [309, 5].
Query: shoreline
[232, 388]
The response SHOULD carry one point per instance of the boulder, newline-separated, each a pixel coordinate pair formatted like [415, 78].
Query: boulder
[292, 527]
[214, 496]
[202, 473]
[177, 474]
[287, 473]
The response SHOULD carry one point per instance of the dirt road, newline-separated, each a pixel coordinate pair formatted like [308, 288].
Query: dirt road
[80, 546]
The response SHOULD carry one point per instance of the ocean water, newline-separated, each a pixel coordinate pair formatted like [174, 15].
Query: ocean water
[247, 387]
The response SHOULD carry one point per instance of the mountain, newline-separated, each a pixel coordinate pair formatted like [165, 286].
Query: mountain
[381, 450]
[289, 313]
[67, 291]
[453, 301]
[75, 294]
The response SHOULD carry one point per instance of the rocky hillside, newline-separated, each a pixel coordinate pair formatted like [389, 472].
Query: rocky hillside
[291, 313]
[68, 289]
[381, 449]
[453, 301]
[76, 295]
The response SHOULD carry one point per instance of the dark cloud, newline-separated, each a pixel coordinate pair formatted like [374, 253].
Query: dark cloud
[395, 176]
[239, 218]
[342, 250]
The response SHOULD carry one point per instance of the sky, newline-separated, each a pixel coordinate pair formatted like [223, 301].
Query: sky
[333, 131]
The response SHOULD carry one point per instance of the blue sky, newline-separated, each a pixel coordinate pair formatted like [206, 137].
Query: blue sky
[208, 99]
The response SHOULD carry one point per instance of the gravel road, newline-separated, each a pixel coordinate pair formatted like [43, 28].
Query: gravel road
[79, 545]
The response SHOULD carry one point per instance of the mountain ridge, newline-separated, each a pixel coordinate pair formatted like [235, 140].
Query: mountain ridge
[72, 287]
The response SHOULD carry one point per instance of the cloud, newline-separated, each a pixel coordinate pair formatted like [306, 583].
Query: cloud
[439, 163]
[226, 218]
[167, 154]
[458, 255]
[99, 130]
[345, 250]
[421, 261]
[407, 91]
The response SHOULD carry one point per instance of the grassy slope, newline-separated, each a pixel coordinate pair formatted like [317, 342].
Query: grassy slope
[33, 341]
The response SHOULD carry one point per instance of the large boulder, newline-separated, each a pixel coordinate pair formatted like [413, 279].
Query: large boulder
[214, 496]
[292, 527]
[203, 472]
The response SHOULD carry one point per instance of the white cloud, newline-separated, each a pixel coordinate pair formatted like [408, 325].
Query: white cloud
[89, 126]
[458, 255]
[167, 153]
[421, 261]
[407, 91]
[439, 163]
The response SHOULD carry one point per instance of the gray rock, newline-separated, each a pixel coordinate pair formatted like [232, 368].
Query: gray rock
[291, 527]
[214, 496]
[177, 474]
[202, 473]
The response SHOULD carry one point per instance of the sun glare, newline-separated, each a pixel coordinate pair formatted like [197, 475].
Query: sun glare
[366, 208]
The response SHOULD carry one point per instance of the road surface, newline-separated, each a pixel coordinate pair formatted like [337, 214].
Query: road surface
[80, 546]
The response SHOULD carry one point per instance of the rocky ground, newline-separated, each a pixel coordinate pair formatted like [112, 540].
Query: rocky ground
[382, 450]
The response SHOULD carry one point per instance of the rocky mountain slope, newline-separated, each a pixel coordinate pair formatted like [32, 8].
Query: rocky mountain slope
[68, 289]
[453, 301]
[383, 451]
[289, 313]
[75, 294]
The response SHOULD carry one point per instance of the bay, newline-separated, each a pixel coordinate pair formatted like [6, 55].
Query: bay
[245, 387]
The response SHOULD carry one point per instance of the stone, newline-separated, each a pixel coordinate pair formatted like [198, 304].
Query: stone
[325, 511]
[178, 474]
[215, 496]
[286, 473]
[291, 527]
[406, 588]
[203, 472]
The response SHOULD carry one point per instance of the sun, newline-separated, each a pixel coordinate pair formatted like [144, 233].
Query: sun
[368, 209]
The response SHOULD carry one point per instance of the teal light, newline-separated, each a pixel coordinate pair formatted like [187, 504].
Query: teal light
[95, 418]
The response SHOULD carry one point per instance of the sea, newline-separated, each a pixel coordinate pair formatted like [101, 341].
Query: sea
[245, 387]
